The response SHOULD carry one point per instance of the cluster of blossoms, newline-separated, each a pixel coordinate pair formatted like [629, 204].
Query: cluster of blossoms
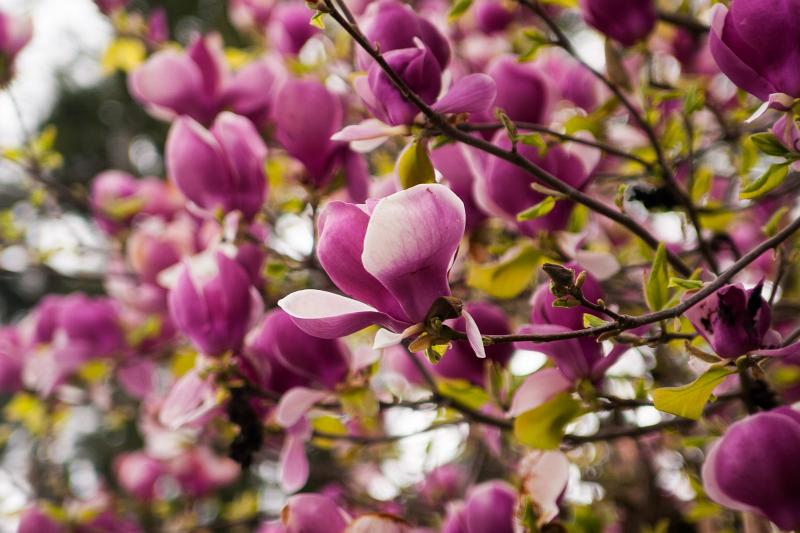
[444, 156]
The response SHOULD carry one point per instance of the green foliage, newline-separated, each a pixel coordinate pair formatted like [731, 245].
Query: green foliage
[507, 277]
[657, 282]
[689, 400]
[414, 165]
[543, 427]
[769, 180]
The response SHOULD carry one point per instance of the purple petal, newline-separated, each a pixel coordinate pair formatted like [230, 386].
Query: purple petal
[471, 94]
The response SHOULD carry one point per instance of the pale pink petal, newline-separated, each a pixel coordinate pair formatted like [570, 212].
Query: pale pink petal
[329, 316]
[544, 478]
[293, 462]
[474, 335]
[371, 128]
[295, 403]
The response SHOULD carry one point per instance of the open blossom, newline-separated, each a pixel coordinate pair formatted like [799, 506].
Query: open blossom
[761, 66]
[313, 512]
[214, 308]
[391, 257]
[289, 29]
[626, 21]
[198, 83]
[754, 467]
[221, 168]
[15, 33]
[736, 321]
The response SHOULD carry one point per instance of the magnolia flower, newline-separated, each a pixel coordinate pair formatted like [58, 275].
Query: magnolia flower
[221, 168]
[306, 131]
[761, 66]
[198, 83]
[214, 308]
[117, 198]
[754, 467]
[625, 21]
[451, 162]
[35, 520]
[492, 16]
[392, 25]
[736, 321]
[504, 189]
[391, 257]
[15, 33]
[544, 479]
[289, 29]
[313, 512]
[489, 508]
[524, 93]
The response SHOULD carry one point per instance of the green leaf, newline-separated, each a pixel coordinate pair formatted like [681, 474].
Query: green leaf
[592, 321]
[693, 100]
[463, 392]
[687, 284]
[689, 400]
[535, 139]
[543, 427]
[414, 165]
[657, 284]
[561, 3]
[459, 8]
[538, 210]
[507, 277]
[768, 144]
[703, 179]
[771, 227]
[768, 181]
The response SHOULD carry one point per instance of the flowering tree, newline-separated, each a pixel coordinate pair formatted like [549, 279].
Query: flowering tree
[539, 288]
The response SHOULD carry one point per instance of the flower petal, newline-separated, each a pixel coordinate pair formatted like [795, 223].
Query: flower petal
[474, 93]
[537, 389]
[474, 335]
[329, 316]
[295, 403]
[410, 243]
[293, 461]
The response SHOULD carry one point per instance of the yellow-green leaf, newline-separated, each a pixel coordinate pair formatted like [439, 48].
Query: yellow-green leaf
[543, 426]
[592, 321]
[507, 277]
[768, 144]
[689, 400]
[687, 284]
[657, 284]
[414, 165]
[459, 8]
[317, 20]
[463, 392]
[538, 210]
[29, 411]
[768, 181]
[771, 227]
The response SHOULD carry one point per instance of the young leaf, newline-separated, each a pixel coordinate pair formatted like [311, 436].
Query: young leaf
[459, 8]
[768, 181]
[543, 427]
[463, 392]
[591, 321]
[771, 227]
[507, 277]
[657, 284]
[689, 400]
[538, 210]
[414, 165]
[768, 144]
[687, 284]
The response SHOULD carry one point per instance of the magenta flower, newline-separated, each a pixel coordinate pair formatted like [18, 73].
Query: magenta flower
[34, 520]
[576, 359]
[523, 91]
[282, 354]
[393, 25]
[736, 321]
[15, 33]
[761, 66]
[289, 29]
[214, 309]
[754, 467]
[250, 14]
[491, 16]
[219, 169]
[625, 21]
[137, 473]
[200, 472]
[313, 512]
[489, 508]
[505, 189]
[198, 83]
[450, 160]
[571, 80]
[12, 354]
[391, 257]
